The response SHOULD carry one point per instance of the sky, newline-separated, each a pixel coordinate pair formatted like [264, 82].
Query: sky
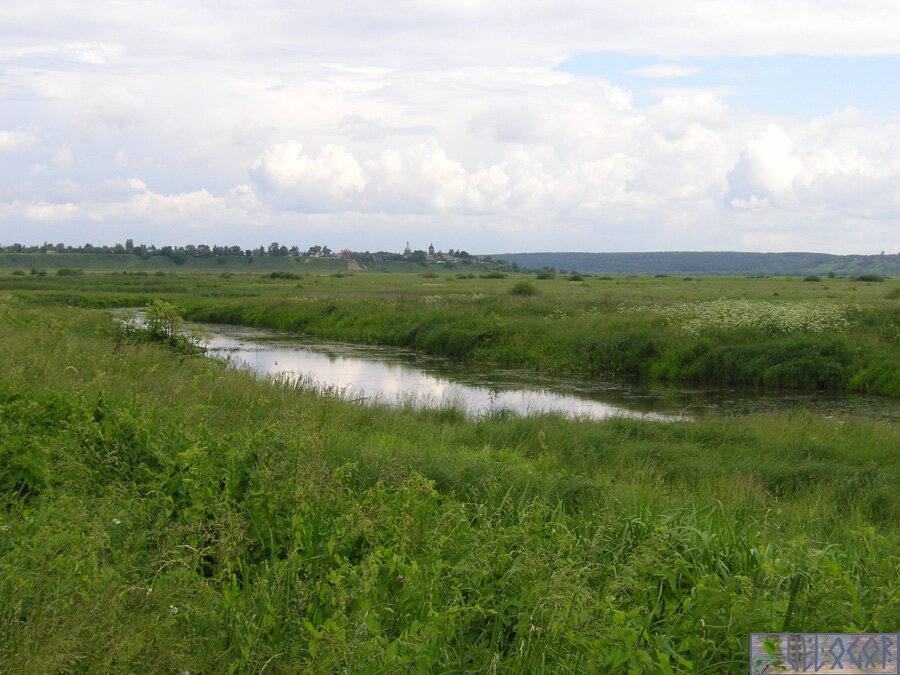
[746, 125]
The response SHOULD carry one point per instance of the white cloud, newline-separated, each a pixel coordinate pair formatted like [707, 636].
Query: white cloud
[63, 160]
[768, 167]
[115, 106]
[93, 53]
[377, 120]
[51, 213]
[327, 182]
[15, 141]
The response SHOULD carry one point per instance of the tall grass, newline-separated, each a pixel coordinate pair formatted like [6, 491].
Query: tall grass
[163, 512]
[837, 335]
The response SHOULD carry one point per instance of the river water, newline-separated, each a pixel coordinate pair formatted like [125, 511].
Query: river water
[395, 377]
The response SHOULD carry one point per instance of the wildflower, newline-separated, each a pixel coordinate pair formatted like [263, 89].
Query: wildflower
[116, 521]
[770, 317]
[173, 609]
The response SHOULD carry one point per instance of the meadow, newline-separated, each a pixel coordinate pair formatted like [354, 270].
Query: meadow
[833, 334]
[162, 511]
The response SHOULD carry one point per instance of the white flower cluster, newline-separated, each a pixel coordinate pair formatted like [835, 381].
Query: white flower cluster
[727, 314]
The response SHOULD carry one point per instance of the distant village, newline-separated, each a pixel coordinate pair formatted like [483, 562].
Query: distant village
[274, 249]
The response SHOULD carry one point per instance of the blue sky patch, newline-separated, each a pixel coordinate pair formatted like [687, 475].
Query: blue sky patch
[780, 85]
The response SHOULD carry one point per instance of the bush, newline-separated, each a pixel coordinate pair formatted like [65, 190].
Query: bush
[576, 277]
[163, 319]
[429, 275]
[68, 272]
[523, 288]
[163, 322]
[493, 275]
[545, 275]
[283, 275]
[812, 277]
[867, 277]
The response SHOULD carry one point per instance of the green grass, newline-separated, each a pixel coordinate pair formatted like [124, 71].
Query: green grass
[133, 263]
[838, 334]
[162, 512]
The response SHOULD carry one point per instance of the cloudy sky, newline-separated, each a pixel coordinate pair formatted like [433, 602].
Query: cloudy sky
[766, 125]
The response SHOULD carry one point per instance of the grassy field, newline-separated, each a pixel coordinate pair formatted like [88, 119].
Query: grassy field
[163, 513]
[50, 263]
[835, 334]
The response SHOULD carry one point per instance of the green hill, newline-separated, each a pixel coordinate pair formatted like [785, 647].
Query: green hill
[126, 261]
[724, 263]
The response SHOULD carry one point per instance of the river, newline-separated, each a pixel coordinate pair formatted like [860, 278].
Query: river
[396, 377]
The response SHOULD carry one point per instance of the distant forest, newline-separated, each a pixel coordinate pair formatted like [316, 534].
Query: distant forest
[277, 256]
[715, 263]
[201, 256]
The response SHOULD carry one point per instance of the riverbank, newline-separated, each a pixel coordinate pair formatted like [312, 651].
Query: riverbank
[163, 512]
[833, 334]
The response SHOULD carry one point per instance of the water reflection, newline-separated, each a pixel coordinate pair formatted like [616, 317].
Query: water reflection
[398, 377]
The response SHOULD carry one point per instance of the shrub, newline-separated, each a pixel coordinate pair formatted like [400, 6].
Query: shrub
[493, 275]
[429, 275]
[162, 323]
[867, 277]
[523, 288]
[812, 277]
[283, 275]
[545, 275]
[163, 319]
[576, 277]
[68, 272]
